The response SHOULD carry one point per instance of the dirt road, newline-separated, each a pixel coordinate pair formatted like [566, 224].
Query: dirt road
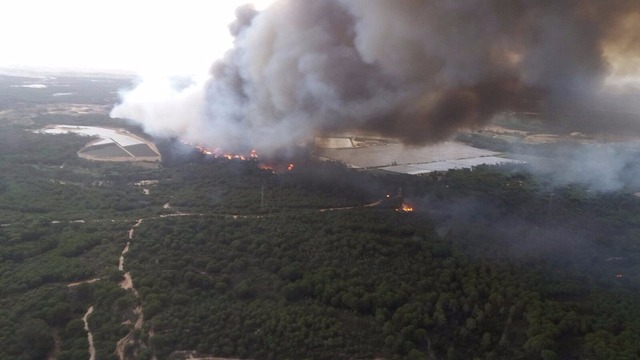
[127, 284]
[92, 349]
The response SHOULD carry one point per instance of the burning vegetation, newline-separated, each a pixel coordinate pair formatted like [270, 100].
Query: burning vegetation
[406, 207]
[219, 153]
[273, 165]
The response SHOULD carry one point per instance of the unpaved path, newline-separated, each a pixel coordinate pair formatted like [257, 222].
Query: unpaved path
[124, 251]
[353, 207]
[122, 343]
[90, 281]
[92, 349]
[127, 284]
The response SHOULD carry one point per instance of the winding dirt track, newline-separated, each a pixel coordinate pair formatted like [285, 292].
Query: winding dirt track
[90, 281]
[353, 207]
[127, 284]
[92, 349]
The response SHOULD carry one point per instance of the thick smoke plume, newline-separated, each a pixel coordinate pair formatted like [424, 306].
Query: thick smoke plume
[416, 70]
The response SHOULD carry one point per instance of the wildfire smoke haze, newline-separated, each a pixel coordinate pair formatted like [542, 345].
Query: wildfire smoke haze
[416, 70]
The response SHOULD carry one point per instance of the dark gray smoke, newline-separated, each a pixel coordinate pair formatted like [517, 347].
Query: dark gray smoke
[417, 70]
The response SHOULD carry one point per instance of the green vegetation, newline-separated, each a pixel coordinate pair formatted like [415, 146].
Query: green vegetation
[332, 285]
[243, 263]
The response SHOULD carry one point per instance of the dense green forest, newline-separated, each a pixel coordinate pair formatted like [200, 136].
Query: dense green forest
[230, 260]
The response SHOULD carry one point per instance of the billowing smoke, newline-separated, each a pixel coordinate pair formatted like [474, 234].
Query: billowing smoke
[416, 70]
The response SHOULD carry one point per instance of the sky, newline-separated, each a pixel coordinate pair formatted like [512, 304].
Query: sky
[140, 36]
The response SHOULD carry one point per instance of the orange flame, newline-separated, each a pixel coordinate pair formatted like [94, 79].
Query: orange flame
[277, 167]
[266, 167]
[405, 208]
[217, 153]
[252, 155]
[204, 150]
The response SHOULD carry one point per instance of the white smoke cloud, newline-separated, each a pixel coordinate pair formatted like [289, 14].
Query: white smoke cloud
[164, 110]
[596, 167]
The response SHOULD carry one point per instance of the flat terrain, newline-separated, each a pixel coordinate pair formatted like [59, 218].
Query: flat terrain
[395, 157]
[112, 144]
